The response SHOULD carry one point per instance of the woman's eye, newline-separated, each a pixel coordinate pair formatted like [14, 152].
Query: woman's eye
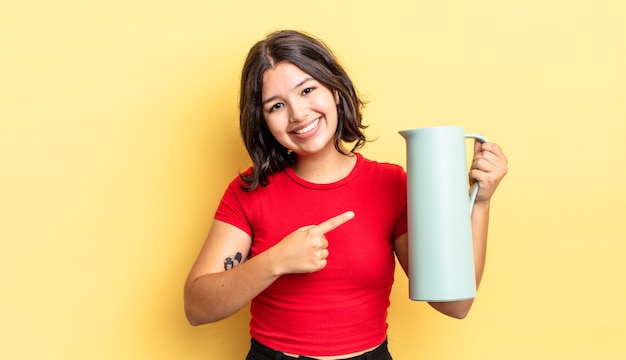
[276, 107]
[307, 90]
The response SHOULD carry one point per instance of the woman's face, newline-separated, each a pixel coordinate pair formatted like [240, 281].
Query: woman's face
[300, 112]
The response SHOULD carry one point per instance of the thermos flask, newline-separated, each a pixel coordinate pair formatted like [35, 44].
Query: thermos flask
[441, 258]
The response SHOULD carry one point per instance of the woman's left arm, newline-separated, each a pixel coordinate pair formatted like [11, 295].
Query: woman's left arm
[488, 168]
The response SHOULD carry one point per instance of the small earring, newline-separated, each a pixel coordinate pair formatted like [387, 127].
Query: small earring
[289, 151]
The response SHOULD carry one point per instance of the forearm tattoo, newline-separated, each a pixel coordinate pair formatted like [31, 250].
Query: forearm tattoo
[232, 261]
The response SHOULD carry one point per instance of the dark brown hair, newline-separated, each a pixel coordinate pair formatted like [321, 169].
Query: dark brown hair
[314, 58]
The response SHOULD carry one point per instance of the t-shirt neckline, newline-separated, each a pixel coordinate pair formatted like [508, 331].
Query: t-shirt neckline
[351, 175]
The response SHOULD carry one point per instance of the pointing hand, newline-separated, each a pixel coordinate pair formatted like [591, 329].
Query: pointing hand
[306, 249]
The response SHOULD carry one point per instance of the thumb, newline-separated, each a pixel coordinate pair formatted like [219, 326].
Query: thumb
[478, 146]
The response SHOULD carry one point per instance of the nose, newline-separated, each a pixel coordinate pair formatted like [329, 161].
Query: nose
[298, 111]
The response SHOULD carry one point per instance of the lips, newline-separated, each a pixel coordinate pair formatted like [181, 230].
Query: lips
[307, 128]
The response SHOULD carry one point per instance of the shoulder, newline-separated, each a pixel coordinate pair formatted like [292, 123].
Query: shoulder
[377, 174]
[238, 184]
[384, 168]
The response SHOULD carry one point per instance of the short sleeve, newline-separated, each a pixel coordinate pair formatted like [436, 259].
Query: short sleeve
[401, 227]
[231, 209]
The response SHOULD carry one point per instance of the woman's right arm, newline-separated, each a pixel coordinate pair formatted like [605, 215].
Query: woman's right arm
[218, 285]
[222, 281]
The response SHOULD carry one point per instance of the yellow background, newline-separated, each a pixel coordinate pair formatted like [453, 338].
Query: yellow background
[118, 134]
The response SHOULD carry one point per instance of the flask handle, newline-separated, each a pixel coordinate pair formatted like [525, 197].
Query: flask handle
[475, 187]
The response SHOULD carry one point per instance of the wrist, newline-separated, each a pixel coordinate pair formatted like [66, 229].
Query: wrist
[273, 263]
[482, 205]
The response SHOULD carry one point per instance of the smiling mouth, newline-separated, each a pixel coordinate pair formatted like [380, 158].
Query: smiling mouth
[305, 130]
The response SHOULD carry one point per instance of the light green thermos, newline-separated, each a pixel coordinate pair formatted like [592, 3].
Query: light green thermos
[441, 258]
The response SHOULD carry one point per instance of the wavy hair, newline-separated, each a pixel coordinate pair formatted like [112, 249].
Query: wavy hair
[313, 57]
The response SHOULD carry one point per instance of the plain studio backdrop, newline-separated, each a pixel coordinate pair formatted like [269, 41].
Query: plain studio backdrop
[119, 134]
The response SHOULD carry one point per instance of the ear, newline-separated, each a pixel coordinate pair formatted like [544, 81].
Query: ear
[336, 96]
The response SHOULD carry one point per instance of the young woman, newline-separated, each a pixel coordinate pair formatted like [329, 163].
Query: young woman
[308, 234]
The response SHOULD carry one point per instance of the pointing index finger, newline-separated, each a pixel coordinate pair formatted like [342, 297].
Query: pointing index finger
[334, 222]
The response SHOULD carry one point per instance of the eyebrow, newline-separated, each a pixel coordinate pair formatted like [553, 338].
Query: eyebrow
[272, 98]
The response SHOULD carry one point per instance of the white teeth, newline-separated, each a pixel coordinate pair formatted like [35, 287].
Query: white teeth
[308, 128]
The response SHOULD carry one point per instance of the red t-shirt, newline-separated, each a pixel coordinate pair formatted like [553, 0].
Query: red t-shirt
[342, 308]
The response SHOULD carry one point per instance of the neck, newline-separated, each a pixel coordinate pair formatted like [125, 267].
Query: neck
[325, 169]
